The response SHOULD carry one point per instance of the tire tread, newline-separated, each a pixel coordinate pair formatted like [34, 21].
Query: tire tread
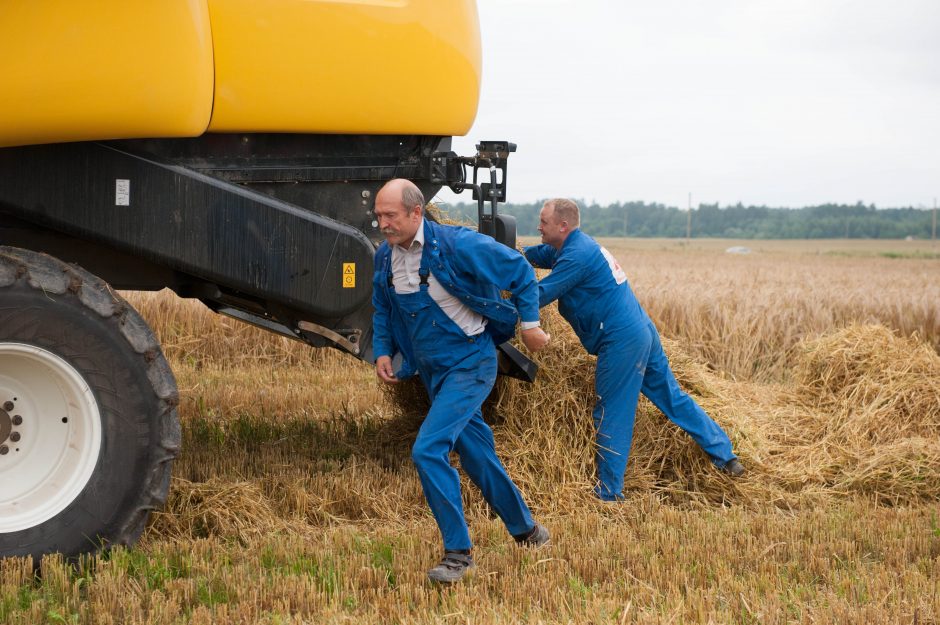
[51, 275]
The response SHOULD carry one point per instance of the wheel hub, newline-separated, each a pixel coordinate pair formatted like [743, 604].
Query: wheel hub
[48, 455]
[8, 431]
[6, 426]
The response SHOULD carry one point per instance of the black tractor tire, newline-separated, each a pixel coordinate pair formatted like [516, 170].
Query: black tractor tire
[71, 315]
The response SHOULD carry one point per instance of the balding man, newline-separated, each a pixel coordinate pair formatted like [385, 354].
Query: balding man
[594, 297]
[436, 293]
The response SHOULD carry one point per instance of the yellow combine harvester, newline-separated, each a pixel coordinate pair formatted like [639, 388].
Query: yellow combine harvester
[99, 69]
[229, 150]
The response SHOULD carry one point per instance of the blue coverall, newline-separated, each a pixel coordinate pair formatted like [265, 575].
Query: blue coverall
[595, 298]
[457, 370]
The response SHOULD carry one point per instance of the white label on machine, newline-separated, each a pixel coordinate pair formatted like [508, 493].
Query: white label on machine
[615, 269]
[122, 192]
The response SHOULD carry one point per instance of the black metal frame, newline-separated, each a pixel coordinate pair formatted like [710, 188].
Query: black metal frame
[262, 227]
[450, 169]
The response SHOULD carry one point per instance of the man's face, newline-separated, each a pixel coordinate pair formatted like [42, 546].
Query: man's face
[552, 231]
[398, 224]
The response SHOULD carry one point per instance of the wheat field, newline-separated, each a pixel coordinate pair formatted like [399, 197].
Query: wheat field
[295, 501]
[745, 314]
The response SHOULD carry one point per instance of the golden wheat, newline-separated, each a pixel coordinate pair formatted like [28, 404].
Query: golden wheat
[745, 315]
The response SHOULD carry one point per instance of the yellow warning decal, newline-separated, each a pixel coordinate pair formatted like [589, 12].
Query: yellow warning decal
[349, 275]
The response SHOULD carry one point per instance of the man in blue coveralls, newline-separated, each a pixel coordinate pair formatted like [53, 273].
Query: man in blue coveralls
[436, 293]
[594, 297]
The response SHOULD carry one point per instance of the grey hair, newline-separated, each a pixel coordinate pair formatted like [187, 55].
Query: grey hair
[411, 196]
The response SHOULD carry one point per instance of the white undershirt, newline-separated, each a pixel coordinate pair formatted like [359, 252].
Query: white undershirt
[406, 264]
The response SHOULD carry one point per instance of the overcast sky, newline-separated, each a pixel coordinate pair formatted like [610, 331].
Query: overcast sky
[775, 102]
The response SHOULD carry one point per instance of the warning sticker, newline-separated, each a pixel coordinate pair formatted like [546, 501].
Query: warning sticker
[349, 275]
[122, 192]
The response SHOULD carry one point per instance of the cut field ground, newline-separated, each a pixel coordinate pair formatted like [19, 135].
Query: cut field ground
[644, 562]
[295, 500]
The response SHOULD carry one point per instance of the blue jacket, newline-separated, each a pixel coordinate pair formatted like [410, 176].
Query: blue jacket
[470, 266]
[591, 288]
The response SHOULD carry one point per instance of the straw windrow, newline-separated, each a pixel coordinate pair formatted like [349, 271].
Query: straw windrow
[860, 418]
[859, 415]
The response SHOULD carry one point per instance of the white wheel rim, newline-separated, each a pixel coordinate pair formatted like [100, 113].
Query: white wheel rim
[59, 435]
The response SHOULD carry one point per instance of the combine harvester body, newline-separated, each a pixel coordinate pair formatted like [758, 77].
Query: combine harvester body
[229, 150]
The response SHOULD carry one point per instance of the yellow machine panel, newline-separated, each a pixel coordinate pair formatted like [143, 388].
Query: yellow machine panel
[113, 69]
[104, 69]
[346, 66]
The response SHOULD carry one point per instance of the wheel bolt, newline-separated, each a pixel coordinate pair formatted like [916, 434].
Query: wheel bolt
[17, 420]
[15, 437]
[8, 405]
[4, 450]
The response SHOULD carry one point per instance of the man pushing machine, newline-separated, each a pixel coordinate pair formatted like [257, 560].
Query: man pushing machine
[594, 297]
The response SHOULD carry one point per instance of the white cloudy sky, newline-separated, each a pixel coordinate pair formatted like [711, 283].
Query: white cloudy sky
[776, 102]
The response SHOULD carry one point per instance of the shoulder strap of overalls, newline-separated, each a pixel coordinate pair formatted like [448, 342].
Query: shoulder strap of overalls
[388, 268]
[423, 271]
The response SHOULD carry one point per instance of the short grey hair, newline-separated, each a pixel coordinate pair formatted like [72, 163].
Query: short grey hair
[411, 196]
[564, 209]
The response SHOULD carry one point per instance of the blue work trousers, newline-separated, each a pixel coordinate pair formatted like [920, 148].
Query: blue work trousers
[458, 372]
[631, 362]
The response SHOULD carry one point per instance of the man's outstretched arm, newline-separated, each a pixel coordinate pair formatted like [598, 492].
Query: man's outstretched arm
[509, 271]
[541, 256]
[565, 275]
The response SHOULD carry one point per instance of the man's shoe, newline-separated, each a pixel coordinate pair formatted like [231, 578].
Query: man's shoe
[536, 537]
[453, 566]
[733, 468]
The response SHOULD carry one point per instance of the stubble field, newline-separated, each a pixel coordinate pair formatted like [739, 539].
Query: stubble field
[295, 500]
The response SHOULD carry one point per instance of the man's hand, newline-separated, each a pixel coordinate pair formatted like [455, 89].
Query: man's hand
[535, 339]
[383, 369]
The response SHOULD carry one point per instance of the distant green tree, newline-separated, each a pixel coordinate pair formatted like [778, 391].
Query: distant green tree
[639, 219]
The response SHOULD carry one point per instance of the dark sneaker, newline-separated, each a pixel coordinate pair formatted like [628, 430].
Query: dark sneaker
[602, 492]
[536, 537]
[733, 468]
[453, 566]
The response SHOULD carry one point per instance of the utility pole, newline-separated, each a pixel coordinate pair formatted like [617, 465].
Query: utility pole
[688, 222]
[933, 234]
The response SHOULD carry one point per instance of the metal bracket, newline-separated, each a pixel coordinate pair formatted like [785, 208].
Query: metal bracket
[450, 169]
[350, 342]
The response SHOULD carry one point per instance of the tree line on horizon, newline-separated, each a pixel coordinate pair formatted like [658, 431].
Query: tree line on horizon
[639, 219]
